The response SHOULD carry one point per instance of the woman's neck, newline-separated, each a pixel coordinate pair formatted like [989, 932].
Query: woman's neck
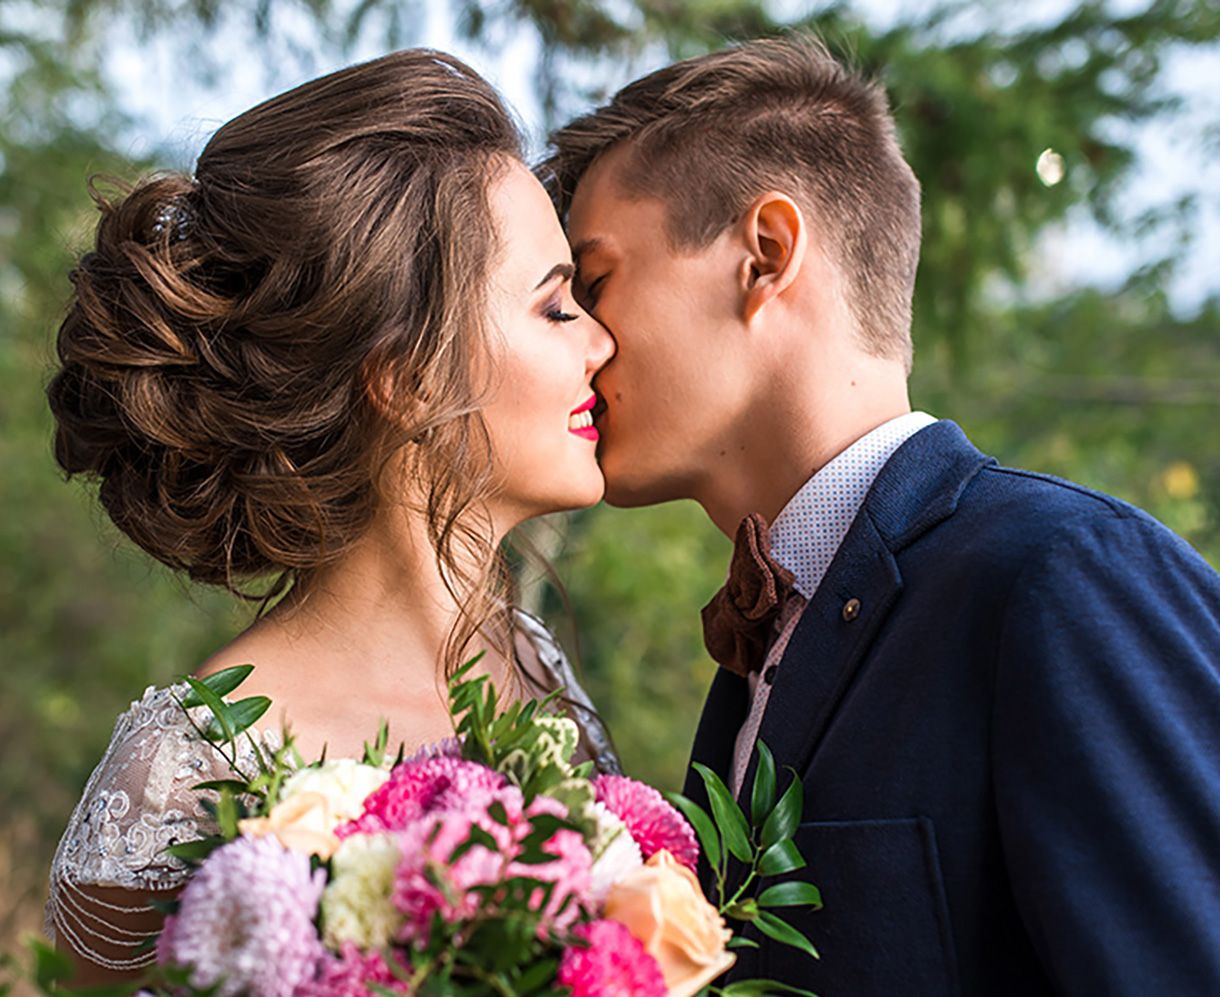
[366, 640]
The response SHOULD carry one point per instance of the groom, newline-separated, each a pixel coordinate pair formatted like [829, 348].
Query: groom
[1001, 690]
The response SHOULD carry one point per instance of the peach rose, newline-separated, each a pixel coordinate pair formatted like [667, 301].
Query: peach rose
[662, 905]
[303, 823]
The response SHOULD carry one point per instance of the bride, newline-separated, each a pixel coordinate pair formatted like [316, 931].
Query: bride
[331, 371]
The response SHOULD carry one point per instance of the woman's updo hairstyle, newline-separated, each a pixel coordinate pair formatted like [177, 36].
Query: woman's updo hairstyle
[247, 349]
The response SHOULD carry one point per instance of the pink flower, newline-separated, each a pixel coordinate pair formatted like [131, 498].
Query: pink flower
[652, 823]
[245, 921]
[570, 872]
[613, 963]
[429, 882]
[418, 788]
[349, 974]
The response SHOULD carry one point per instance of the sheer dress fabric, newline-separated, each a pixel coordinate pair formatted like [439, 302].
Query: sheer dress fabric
[139, 801]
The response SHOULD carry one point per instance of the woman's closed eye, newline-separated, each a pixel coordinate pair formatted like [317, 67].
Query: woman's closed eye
[554, 312]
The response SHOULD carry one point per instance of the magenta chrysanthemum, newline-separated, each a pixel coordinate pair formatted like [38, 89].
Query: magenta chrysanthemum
[418, 788]
[613, 962]
[349, 975]
[651, 821]
[245, 921]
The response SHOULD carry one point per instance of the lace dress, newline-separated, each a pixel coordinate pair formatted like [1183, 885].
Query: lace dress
[139, 801]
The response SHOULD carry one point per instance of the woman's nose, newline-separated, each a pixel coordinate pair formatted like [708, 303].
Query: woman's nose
[601, 345]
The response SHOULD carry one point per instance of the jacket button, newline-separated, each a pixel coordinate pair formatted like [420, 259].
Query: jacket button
[851, 609]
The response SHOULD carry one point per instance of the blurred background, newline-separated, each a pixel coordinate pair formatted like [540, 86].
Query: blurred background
[1068, 308]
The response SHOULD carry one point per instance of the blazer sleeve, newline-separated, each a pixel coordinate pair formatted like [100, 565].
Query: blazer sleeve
[1106, 758]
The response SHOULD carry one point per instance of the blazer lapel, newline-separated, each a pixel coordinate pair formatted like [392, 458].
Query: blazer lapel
[917, 489]
[834, 631]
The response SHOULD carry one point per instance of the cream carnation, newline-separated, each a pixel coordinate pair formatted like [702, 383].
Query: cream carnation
[356, 906]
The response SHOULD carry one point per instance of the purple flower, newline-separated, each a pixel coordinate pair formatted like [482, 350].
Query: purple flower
[245, 921]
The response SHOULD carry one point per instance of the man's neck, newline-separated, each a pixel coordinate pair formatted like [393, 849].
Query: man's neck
[783, 446]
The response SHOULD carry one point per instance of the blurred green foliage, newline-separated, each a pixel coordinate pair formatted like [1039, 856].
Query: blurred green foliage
[1112, 389]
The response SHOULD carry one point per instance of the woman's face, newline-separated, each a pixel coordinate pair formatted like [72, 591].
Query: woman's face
[545, 351]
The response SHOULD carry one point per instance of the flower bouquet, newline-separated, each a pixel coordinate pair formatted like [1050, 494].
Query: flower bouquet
[486, 864]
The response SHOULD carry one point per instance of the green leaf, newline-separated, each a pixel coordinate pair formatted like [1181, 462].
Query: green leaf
[195, 851]
[791, 894]
[477, 836]
[730, 821]
[762, 797]
[227, 814]
[246, 712]
[781, 857]
[702, 823]
[783, 821]
[535, 855]
[537, 977]
[221, 683]
[741, 942]
[374, 754]
[761, 988]
[219, 708]
[50, 966]
[236, 785]
[781, 931]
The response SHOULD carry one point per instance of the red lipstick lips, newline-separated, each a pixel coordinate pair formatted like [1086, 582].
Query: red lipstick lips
[580, 420]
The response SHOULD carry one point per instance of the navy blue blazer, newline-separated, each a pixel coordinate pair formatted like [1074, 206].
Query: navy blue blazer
[1011, 755]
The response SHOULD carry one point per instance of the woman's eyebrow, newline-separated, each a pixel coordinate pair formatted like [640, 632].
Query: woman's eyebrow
[564, 270]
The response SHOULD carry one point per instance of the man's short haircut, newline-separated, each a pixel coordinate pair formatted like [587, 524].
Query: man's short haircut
[709, 134]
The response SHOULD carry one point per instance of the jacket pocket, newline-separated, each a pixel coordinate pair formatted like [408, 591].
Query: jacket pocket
[884, 925]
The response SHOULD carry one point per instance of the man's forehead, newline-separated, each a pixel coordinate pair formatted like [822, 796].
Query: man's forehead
[604, 217]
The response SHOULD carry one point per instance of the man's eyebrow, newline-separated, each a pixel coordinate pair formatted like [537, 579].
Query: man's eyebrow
[564, 270]
[585, 246]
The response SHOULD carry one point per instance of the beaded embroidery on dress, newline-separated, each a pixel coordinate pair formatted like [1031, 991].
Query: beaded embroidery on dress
[139, 801]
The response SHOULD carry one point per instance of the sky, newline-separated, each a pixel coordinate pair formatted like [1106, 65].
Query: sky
[174, 114]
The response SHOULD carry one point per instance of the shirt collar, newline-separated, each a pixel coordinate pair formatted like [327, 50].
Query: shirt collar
[807, 534]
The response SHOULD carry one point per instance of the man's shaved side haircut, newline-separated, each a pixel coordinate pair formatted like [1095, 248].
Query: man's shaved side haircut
[707, 135]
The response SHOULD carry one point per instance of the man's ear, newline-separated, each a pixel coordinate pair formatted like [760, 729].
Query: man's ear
[775, 238]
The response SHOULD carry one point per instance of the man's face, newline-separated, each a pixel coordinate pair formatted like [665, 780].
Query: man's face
[674, 387]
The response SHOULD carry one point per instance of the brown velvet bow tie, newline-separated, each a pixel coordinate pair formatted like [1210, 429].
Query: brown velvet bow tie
[737, 622]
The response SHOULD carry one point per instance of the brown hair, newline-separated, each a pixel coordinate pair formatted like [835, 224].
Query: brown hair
[248, 349]
[707, 135]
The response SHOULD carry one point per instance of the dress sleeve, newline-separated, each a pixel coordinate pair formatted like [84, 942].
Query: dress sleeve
[110, 864]
[550, 669]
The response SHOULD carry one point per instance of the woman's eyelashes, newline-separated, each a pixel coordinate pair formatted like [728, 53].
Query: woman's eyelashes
[554, 312]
